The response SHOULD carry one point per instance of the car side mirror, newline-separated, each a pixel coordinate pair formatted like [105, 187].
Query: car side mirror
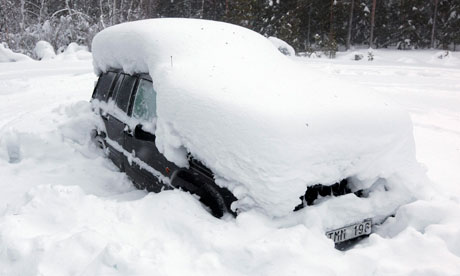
[143, 135]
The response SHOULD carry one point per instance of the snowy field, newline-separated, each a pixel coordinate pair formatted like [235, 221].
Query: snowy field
[66, 210]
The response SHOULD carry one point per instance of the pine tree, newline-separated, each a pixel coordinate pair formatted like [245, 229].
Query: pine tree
[371, 36]
[350, 24]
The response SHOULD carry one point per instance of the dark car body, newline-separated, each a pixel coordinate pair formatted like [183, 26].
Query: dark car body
[132, 149]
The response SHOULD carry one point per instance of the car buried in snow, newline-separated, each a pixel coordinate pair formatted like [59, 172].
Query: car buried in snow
[216, 110]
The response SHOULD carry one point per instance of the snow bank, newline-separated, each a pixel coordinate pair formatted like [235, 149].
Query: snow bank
[44, 50]
[6, 55]
[417, 58]
[75, 52]
[282, 46]
[446, 58]
[266, 126]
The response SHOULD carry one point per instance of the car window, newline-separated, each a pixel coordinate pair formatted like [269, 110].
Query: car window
[124, 92]
[104, 85]
[145, 102]
[119, 80]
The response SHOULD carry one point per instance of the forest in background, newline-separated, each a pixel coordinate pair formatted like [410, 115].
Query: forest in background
[308, 25]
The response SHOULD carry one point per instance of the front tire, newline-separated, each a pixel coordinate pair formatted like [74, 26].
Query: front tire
[99, 141]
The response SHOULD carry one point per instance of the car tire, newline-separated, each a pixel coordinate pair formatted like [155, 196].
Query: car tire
[209, 194]
[99, 141]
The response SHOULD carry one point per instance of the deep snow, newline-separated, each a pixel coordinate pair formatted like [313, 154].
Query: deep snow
[66, 210]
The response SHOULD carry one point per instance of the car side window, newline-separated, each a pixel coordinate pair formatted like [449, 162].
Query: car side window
[124, 92]
[145, 101]
[113, 95]
[104, 85]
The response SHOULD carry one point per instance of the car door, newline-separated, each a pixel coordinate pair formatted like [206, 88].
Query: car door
[102, 93]
[117, 117]
[149, 168]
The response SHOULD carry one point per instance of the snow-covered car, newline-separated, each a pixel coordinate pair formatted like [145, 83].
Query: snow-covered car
[217, 110]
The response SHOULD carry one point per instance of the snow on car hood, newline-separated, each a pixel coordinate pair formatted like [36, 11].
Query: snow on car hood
[266, 126]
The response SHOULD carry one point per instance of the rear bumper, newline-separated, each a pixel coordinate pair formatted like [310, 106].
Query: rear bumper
[330, 213]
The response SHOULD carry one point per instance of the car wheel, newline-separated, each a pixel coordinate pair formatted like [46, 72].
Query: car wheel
[209, 194]
[99, 141]
[101, 144]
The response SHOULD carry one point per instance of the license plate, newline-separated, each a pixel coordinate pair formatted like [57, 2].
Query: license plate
[350, 232]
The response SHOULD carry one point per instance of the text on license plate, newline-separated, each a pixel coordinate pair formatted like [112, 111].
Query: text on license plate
[351, 231]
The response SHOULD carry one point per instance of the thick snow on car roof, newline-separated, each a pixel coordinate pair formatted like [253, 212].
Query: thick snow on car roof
[137, 46]
[267, 126]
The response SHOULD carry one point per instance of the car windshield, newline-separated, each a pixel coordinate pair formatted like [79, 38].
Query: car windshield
[144, 107]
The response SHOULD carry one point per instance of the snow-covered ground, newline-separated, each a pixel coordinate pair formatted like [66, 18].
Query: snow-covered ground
[66, 210]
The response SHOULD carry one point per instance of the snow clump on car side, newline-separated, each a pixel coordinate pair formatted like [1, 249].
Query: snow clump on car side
[282, 46]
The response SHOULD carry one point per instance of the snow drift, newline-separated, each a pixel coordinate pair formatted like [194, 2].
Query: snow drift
[6, 55]
[44, 50]
[75, 52]
[266, 126]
